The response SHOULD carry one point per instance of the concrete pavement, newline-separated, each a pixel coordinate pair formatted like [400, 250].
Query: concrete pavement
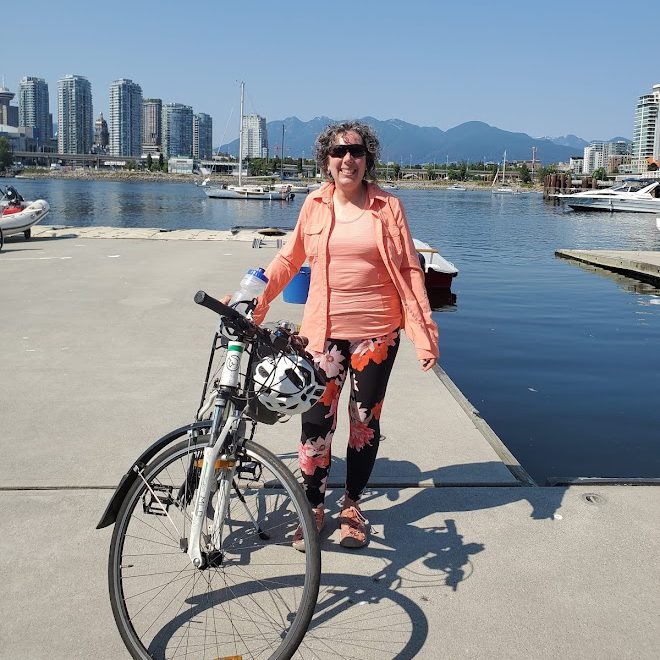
[104, 351]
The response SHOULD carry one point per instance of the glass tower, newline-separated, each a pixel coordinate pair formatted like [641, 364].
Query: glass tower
[34, 107]
[125, 118]
[177, 130]
[75, 118]
[202, 136]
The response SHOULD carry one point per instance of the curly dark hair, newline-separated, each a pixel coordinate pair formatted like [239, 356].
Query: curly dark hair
[327, 139]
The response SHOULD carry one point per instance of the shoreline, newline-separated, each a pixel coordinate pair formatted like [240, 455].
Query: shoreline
[126, 176]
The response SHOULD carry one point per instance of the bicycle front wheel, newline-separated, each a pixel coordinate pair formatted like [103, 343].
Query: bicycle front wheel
[257, 596]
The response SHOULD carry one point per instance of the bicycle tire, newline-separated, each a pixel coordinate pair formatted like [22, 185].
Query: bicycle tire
[166, 608]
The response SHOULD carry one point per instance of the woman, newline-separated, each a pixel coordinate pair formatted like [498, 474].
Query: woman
[366, 284]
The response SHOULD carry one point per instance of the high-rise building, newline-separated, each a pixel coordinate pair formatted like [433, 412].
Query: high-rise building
[8, 112]
[101, 135]
[646, 131]
[255, 137]
[75, 118]
[177, 130]
[34, 107]
[152, 118]
[125, 118]
[202, 136]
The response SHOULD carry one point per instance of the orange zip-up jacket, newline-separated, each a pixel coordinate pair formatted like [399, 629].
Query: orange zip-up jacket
[309, 242]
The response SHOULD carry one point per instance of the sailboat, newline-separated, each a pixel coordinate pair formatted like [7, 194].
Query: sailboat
[504, 188]
[248, 191]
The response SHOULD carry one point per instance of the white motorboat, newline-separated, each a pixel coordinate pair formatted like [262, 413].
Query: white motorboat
[457, 186]
[17, 216]
[635, 196]
[439, 272]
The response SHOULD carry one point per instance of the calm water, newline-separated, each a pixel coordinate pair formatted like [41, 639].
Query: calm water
[562, 362]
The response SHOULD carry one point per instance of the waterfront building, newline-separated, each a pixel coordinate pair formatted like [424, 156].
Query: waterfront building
[75, 119]
[34, 107]
[152, 133]
[594, 157]
[255, 137]
[202, 136]
[646, 131]
[125, 118]
[101, 135]
[8, 112]
[177, 123]
[575, 164]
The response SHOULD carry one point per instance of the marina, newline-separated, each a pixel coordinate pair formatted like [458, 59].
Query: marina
[547, 353]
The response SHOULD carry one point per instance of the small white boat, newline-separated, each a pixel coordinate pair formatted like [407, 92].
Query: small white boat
[17, 216]
[631, 196]
[247, 192]
[456, 186]
[389, 186]
[438, 272]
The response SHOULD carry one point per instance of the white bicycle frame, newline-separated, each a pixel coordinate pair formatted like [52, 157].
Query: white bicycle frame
[211, 461]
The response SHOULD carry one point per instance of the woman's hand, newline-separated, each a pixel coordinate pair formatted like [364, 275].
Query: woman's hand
[225, 300]
[426, 363]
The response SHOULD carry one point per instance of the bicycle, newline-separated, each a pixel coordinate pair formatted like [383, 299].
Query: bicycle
[200, 562]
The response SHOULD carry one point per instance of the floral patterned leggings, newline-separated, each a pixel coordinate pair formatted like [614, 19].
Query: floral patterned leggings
[369, 363]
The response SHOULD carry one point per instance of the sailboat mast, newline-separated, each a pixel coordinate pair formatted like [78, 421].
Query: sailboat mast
[504, 169]
[240, 139]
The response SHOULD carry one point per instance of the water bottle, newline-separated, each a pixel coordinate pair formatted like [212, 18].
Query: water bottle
[252, 285]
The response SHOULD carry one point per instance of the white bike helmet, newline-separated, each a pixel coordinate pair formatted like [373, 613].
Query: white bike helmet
[287, 384]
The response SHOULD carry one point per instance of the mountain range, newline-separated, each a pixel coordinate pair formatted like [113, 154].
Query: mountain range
[405, 143]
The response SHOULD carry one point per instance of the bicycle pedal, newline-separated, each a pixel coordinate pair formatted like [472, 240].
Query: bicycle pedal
[158, 502]
[249, 470]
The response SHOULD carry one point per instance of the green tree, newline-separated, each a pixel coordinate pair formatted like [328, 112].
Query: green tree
[599, 174]
[397, 170]
[6, 154]
[150, 162]
[524, 174]
[542, 172]
[300, 166]
[161, 162]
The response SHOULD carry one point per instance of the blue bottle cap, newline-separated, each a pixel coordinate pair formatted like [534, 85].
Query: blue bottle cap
[260, 273]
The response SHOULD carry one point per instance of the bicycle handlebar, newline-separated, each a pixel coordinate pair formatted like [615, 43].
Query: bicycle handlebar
[282, 341]
[203, 298]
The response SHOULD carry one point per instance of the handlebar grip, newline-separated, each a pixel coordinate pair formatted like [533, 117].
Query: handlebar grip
[203, 298]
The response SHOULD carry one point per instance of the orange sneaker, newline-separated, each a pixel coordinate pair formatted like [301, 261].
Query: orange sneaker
[298, 542]
[354, 526]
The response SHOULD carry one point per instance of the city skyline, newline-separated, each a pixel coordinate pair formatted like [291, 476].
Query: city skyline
[441, 66]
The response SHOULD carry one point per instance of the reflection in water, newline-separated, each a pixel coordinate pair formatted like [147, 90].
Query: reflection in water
[442, 300]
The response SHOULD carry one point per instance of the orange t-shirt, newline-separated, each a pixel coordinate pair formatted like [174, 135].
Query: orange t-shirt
[364, 302]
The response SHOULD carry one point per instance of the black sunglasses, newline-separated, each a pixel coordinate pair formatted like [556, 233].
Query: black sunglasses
[340, 150]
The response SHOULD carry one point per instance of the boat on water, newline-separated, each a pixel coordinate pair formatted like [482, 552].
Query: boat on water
[259, 192]
[438, 272]
[503, 188]
[636, 196]
[17, 216]
[457, 186]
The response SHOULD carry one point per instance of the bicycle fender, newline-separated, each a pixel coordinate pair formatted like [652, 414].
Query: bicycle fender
[110, 514]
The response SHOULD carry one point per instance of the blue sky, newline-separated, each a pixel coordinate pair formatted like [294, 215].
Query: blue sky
[542, 68]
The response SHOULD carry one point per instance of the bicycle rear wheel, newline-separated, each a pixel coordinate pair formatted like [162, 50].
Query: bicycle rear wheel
[258, 597]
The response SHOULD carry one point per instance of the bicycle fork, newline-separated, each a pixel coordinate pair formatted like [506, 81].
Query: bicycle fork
[212, 462]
